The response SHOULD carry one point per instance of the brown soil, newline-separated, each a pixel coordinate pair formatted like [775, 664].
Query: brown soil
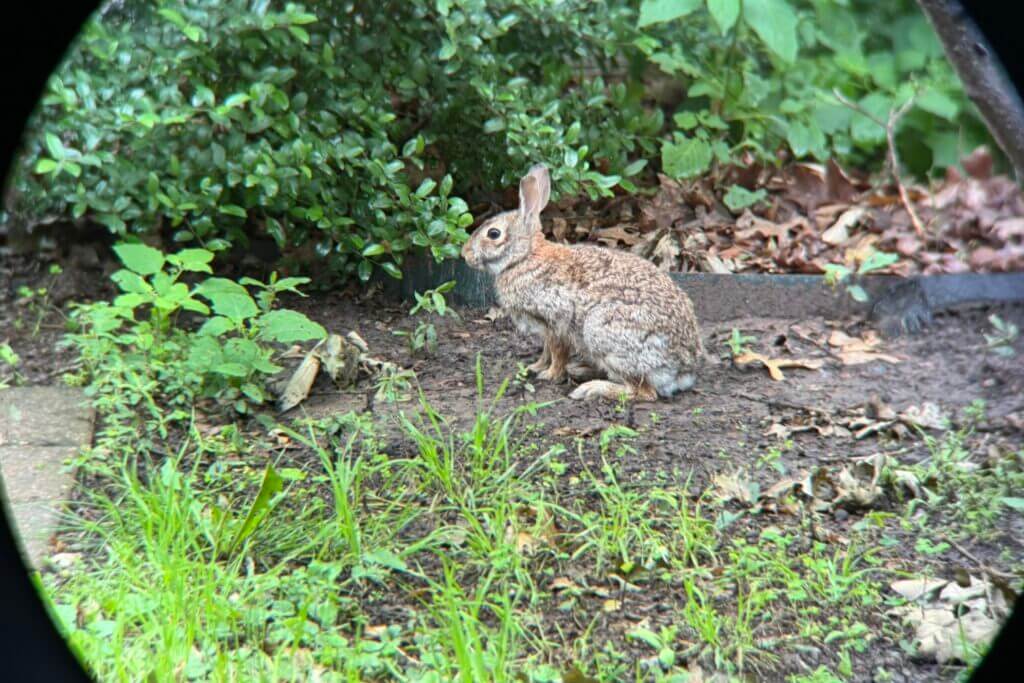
[718, 428]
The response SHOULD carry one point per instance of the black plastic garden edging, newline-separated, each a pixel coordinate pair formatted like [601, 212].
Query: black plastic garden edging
[722, 297]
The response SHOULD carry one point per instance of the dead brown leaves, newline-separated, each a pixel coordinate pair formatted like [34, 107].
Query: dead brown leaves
[775, 365]
[950, 618]
[815, 214]
[341, 358]
[859, 350]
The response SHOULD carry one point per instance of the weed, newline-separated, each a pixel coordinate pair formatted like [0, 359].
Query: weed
[423, 339]
[1005, 334]
[9, 359]
[136, 342]
[738, 341]
[836, 275]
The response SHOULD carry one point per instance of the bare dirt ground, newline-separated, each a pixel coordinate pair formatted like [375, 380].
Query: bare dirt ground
[738, 432]
[739, 436]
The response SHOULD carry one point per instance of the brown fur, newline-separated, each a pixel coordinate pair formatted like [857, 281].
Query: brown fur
[616, 311]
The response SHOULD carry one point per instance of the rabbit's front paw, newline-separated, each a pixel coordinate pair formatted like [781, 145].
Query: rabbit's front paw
[541, 364]
[554, 374]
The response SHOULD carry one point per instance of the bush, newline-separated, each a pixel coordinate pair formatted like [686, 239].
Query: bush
[136, 345]
[760, 76]
[349, 131]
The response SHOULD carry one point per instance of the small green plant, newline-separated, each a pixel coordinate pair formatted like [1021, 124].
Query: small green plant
[663, 643]
[10, 360]
[522, 378]
[970, 491]
[394, 384]
[431, 302]
[839, 275]
[1005, 334]
[142, 333]
[737, 342]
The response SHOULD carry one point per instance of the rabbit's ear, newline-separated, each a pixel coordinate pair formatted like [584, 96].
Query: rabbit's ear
[534, 192]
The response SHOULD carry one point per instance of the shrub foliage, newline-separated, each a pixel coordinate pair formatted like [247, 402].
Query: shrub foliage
[354, 128]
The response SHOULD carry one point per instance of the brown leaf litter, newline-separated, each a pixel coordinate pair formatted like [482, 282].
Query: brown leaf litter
[815, 214]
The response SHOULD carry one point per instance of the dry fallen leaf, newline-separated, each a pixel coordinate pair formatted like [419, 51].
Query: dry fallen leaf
[561, 583]
[839, 233]
[914, 589]
[775, 365]
[857, 350]
[611, 236]
[297, 389]
[943, 635]
[730, 486]
[928, 416]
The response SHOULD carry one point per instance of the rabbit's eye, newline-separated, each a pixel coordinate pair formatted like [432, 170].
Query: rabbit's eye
[494, 233]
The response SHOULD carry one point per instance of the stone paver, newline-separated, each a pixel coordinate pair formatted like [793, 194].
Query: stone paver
[40, 428]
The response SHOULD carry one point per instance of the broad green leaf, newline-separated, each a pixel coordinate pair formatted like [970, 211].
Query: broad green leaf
[646, 636]
[231, 369]
[140, 258]
[774, 22]
[172, 16]
[45, 165]
[657, 11]
[287, 326]
[685, 159]
[55, 146]
[228, 298]
[858, 293]
[863, 129]
[1012, 502]
[196, 260]
[232, 210]
[440, 305]
[392, 270]
[725, 13]
[739, 198]
[940, 104]
[805, 138]
[216, 326]
[386, 558]
[634, 168]
[193, 33]
[426, 187]
[876, 261]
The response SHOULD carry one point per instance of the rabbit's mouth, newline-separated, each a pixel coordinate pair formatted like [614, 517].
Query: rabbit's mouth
[471, 258]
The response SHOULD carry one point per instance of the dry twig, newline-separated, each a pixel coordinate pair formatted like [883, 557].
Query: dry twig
[892, 160]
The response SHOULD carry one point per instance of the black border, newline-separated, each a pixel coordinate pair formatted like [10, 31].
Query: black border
[33, 39]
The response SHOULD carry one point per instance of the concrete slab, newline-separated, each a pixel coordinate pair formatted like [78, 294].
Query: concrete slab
[36, 523]
[44, 416]
[40, 428]
[35, 473]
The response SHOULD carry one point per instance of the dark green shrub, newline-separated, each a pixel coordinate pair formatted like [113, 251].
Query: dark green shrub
[760, 74]
[348, 130]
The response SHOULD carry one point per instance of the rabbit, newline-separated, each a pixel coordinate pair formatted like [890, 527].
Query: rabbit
[614, 310]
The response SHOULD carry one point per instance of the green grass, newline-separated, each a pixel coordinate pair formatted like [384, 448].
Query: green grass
[410, 548]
